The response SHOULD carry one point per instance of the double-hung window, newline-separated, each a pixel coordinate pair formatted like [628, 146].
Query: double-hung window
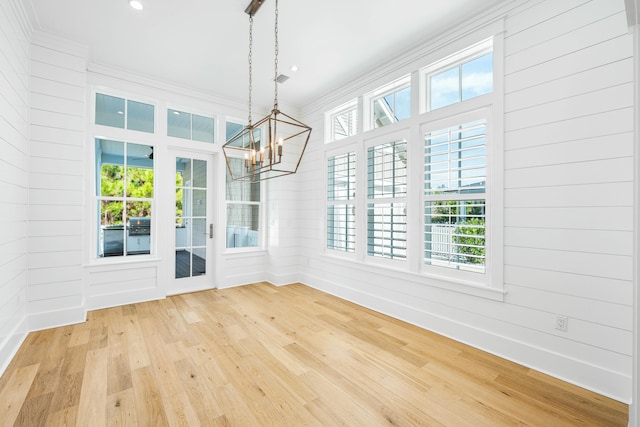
[455, 182]
[341, 193]
[124, 192]
[243, 202]
[386, 200]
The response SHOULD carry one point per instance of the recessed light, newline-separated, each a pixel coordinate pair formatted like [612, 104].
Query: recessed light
[294, 68]
[136, 4]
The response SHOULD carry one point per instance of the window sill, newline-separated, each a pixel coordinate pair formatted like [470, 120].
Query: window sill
[121, 260]
[241, 252]
[425, 279]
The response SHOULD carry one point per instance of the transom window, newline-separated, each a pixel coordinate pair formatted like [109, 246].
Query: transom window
[390, 103]
[342, 121]
[460, 77]
[124, 113]
[185, 125]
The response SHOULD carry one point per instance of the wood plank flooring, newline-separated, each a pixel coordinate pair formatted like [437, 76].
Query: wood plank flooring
[261, 355]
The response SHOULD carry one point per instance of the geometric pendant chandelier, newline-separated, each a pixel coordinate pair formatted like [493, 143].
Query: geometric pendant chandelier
[274, 145]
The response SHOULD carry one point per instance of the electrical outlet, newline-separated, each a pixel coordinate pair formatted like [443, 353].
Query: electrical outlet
[562, 322]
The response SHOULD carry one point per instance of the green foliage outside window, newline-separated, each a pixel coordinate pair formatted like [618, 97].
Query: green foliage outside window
[470, 238]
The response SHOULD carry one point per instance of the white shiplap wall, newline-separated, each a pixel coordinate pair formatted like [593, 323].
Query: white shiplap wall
[14, 150]
[57, 108]
[568, 199]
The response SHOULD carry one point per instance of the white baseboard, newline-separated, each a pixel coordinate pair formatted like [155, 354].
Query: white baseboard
[54, 319]
[10, 346]
[577, 372]
[97, 302]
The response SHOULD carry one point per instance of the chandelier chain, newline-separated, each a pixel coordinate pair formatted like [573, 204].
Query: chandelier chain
[275, 77]
[250, 64]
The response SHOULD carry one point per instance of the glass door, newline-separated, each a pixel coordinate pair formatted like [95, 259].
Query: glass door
[193, 220]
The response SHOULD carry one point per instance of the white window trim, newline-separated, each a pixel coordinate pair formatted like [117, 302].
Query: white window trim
[493, 103]
[462, 276]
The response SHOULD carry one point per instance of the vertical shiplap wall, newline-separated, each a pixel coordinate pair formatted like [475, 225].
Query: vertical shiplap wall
[14, 175]
[568, 214]
[58, 80]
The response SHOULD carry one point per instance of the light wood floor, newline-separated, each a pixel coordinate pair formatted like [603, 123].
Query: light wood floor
[265, 356]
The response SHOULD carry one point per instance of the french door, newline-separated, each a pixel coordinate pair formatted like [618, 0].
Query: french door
[193, 213]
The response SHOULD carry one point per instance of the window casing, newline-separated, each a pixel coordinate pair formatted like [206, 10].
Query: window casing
[243, 203]
[341, 194]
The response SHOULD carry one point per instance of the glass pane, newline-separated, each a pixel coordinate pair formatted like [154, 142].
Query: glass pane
[109, 111]
[178, 124]
[199, 232]
[392, 107]
[183, 232]
[344, 123]
[203, 128]
[138, 228]
[112, 230]
[242, 225]
[387, 230]
[241, 190]
[455, 159]
[445, 88]
[183, 263]
[140, 116]
[183, 168]
[232, 129]
[110, 161]
[139, 171]
[198, 259]
[199, 174]
[180, 193]
[341, 177]
[477, 77]
[341, 227]
[454, 234]
[199, 203]
[387, 170]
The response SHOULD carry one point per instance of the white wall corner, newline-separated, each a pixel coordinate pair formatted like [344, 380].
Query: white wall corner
[634, 408]
[632, 8]
[54, 319]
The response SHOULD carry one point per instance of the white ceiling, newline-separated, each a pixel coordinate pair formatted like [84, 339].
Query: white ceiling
[203, 44]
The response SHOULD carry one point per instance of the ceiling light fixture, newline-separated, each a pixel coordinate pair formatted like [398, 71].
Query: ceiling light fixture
[274, 145]
[136, 4]
[294, 68]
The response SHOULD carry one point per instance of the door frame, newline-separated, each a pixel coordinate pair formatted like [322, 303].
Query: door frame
[208, 280]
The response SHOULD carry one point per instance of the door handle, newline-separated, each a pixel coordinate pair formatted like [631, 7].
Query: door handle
[211, 231]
